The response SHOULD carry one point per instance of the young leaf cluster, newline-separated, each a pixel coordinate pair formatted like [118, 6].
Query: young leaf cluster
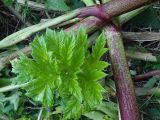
[63, 67]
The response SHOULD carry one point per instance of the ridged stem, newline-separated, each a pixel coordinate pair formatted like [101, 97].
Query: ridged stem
[111, 9]
[124, 85]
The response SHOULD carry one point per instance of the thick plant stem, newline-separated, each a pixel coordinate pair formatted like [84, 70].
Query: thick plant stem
[6, 59]
[123, 18]
[27, 50]
[141, 56]
[123, 6]
[12, 87]
[92, 23]
[124, 86]
[23, 34]
[110, 9]
[142, 36]
[147, 75]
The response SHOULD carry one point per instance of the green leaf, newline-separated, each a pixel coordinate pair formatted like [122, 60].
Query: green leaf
[90, 94]
[109, 108]
[91, 72]
[88, 2]
[148, 18]
[41, 84]
[62, 66]
[4, 82]
[95, 115]
[73, 109]
[105, 1]
[150, 83]
[74, 4]
[39, 46]
[8, 2]
[104, 111]
[57, 5]
[13, 100]
[98, 50]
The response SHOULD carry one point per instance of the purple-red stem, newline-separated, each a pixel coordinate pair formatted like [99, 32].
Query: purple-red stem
[110, 10]
[124, 85]
[147, 75]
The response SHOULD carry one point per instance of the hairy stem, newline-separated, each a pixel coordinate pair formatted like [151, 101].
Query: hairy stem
[110, 9]
[124, 86]
[6, 60]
